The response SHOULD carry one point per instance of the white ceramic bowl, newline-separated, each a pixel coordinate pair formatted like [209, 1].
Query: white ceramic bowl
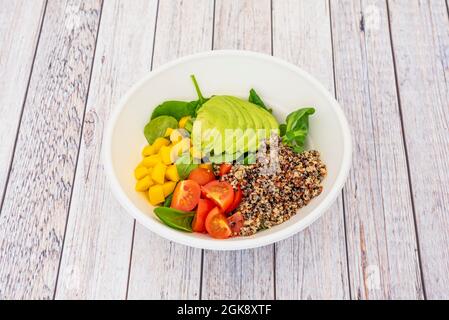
[283, 86]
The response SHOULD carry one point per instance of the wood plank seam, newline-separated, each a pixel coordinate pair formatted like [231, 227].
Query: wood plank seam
[406, 153]
[23, 106]
[134, 224]
[78, 153]
[343, 190]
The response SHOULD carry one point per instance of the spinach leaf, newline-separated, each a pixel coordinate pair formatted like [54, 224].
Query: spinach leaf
[176, 219]
[176, 109]
[294, 132]
[185, 165]
[254, 98]
[157, 127]
[167, 201]
[201, 99]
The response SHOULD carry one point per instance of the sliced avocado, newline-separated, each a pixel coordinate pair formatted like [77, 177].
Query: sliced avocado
[226, 112]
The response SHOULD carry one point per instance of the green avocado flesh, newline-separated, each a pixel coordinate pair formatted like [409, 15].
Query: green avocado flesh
[231, 126]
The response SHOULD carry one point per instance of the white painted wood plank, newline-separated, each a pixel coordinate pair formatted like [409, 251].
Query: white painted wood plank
[20, 23]
[161, 269]
[312, 264]
[99, 233]
[34, 213]
[420, 32]
[382, 247]
[246, 274]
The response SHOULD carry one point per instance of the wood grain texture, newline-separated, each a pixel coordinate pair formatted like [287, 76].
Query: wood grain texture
[311, 264]
[20, 23]
[36, 204]
[420, 32]
[161, 269]
[99, 233]
[245, 274]
[382, 247]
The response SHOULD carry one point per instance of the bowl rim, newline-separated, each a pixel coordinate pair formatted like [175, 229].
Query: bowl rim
[235, 243]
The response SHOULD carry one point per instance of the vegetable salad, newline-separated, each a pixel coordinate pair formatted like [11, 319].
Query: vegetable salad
[190, 152]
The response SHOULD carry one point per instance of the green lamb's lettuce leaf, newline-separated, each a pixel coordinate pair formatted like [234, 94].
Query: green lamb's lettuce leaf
[294, 132]
[157, 127]
[176, 219]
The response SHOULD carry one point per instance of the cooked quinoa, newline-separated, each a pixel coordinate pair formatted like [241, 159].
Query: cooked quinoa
[272, 197]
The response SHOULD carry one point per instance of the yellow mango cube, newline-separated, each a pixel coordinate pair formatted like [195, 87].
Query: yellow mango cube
[141, 172]
[156, 194]
[172, 173]
[148, 151]
[180, 148]
[168, 132]
[176, 136]
[168, 187]
[151, 161]
[165, 154]
[144, 184]
[207, 166]
[158, 143]
[158, 173]
[183, 121]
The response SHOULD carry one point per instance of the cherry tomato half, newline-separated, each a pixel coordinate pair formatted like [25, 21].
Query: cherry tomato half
[204, 206]
[235, 222]
[225, 168]
[217, 224]
[220, 192]
[202, 176]
[186, 195]
[237, 199]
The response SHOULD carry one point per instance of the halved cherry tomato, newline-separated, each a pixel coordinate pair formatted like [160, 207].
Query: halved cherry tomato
[217, 224]
[202, 176]
[225, 168]
[237, 198]
[235, 222]
[186, 195]
[220, 192]
[204, 206]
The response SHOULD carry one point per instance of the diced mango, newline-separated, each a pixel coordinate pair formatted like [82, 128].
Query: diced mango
[158, 173]
[176, 136]
[180, 148]
[156, 194]
[168, 132]
[183, 121]
[148, 151]
[141, 172]
[172, 173]
[151, 161]
[207, 166]
[168, 187]
[165, 154]
[158, 143]
[144, 184]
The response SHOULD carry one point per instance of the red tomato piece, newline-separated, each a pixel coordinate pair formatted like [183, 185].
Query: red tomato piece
[237, 199]
[204, 206]
[225, 168]
[202, 176]
[220, 192]
[217, 225]
[235, 222]
[186, 195]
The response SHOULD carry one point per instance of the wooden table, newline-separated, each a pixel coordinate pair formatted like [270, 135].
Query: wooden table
[65, 64]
